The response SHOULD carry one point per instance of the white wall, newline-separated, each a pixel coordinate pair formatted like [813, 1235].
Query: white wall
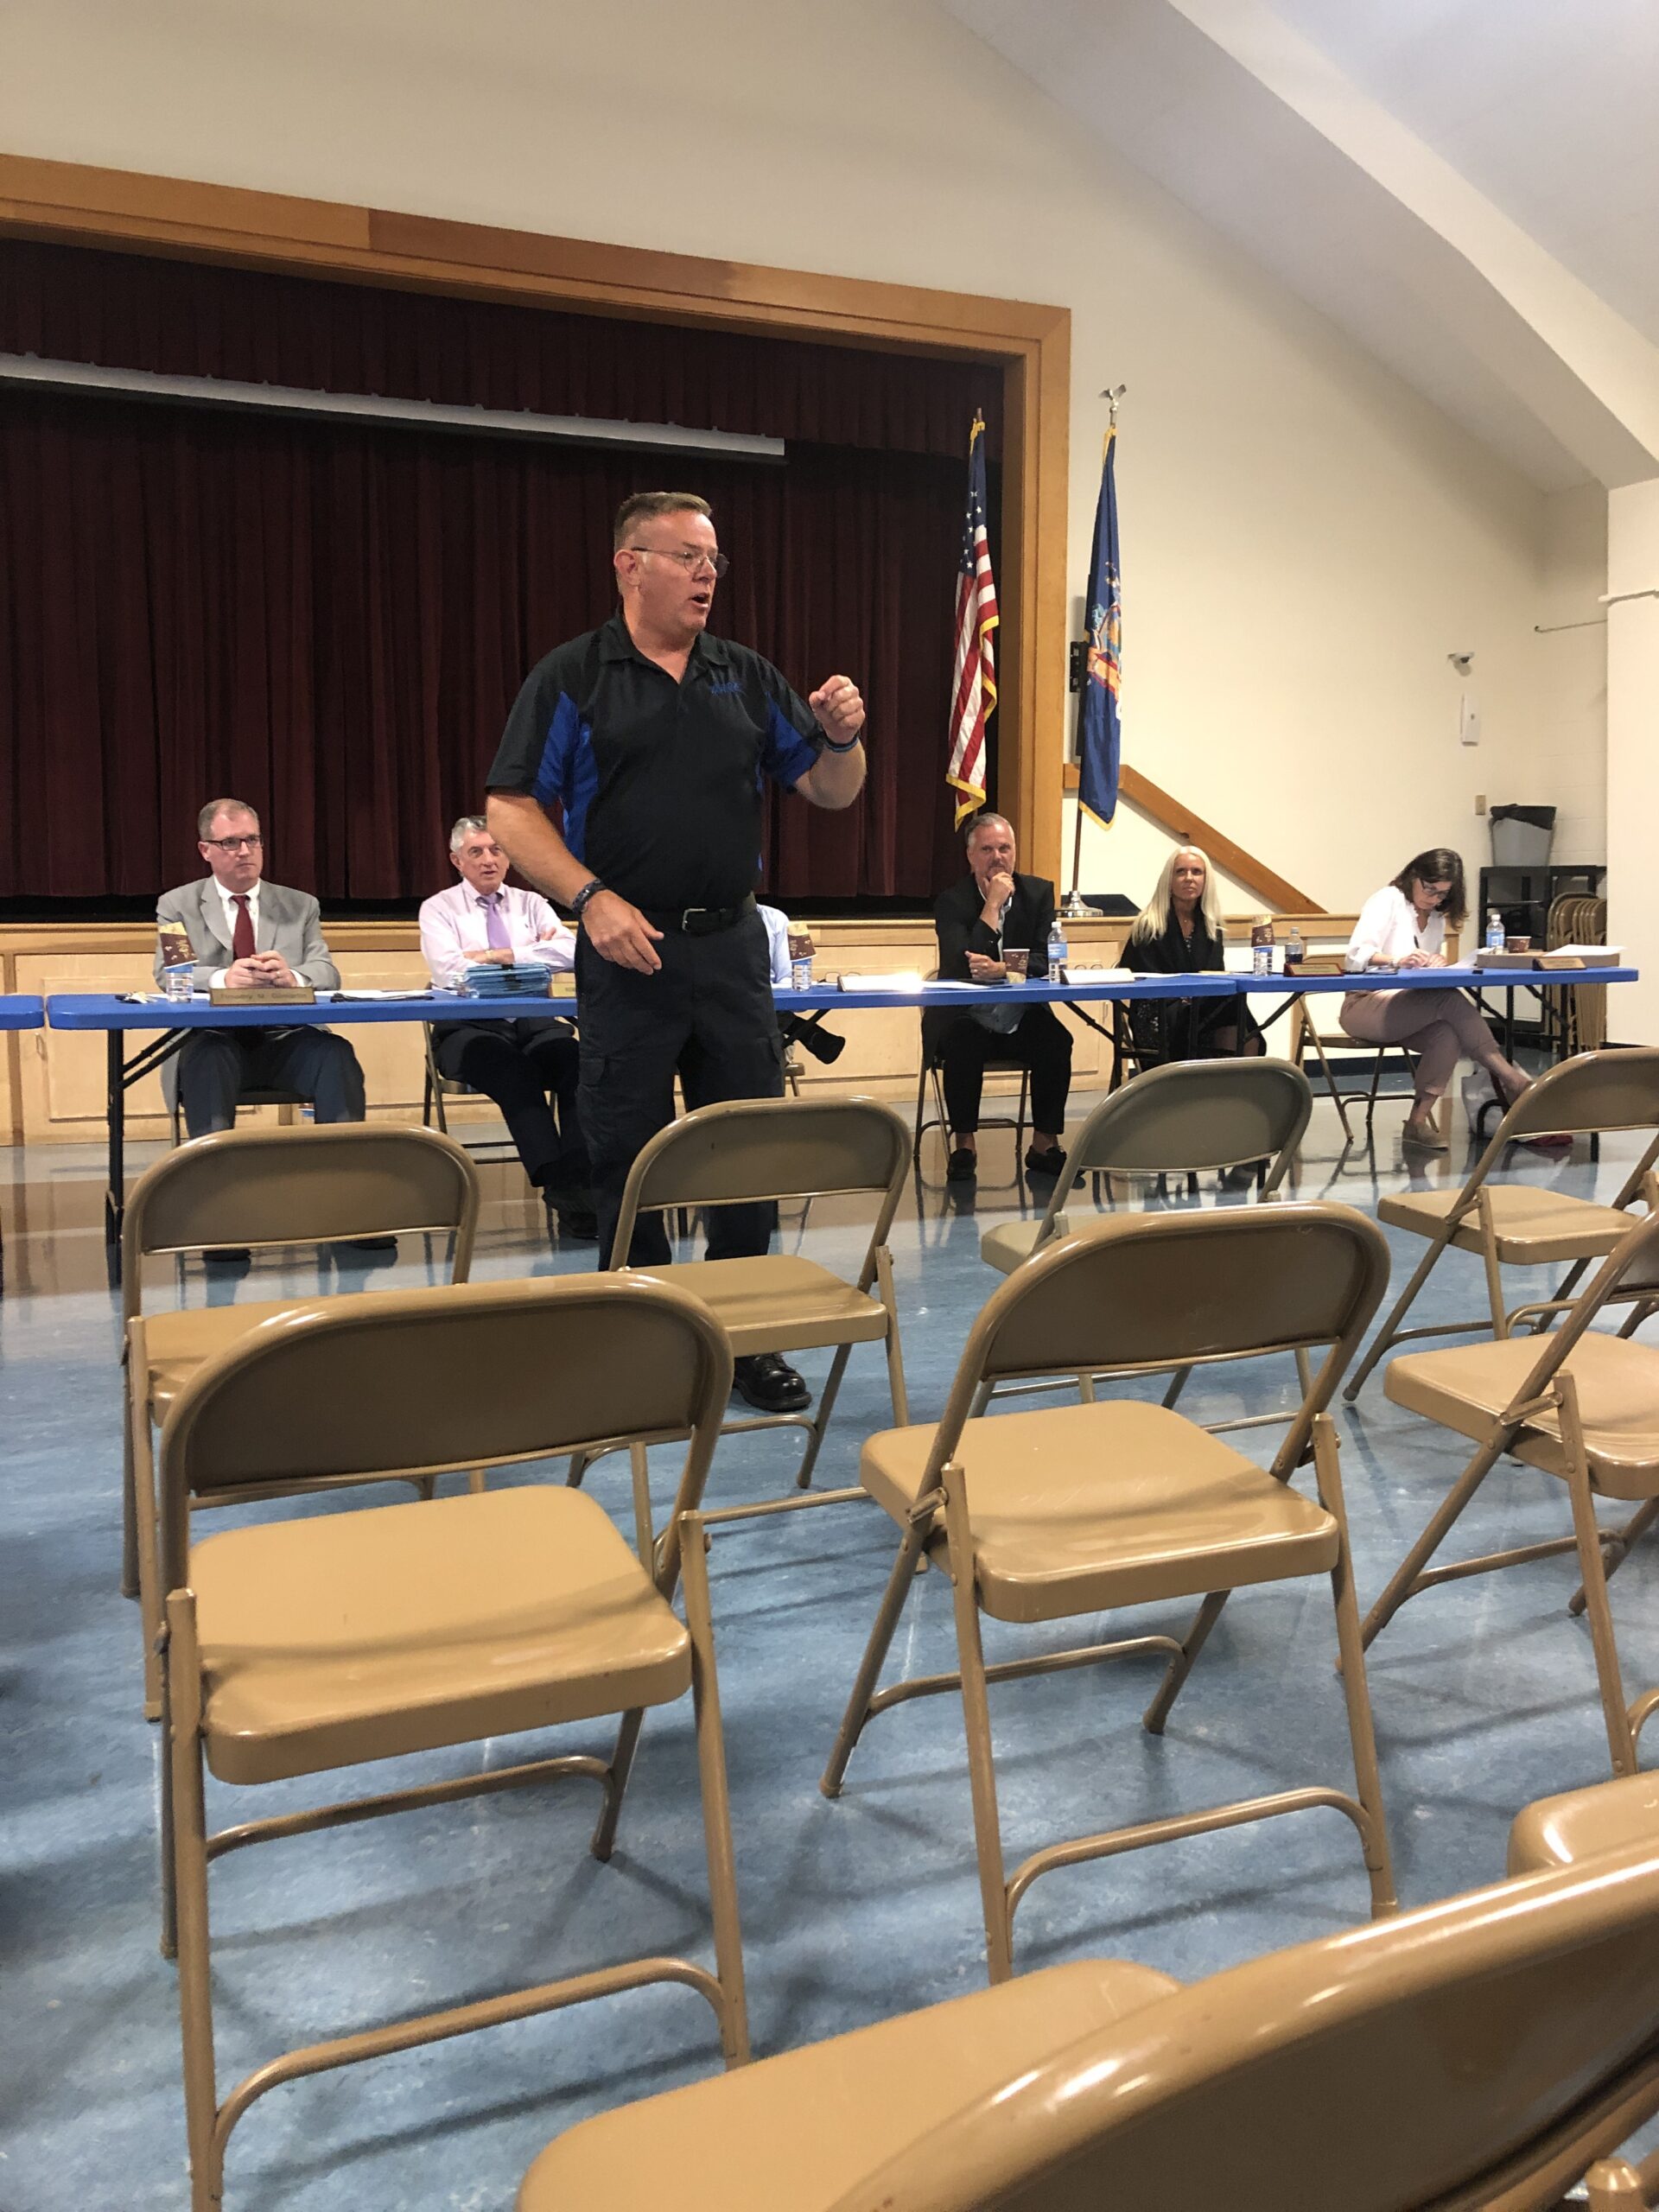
[1572, 737]
[1305, 540]
[1633, 751]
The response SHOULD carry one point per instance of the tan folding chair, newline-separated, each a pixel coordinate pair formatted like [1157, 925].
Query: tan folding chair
[783, 1149]
[1581, 1827]
[297, 1646]
[258, 1187]
[1311, 1024]
[1529, 1224]
[1189, 1118]
[1578, 1403]
[1478, 2056]
[493, 1151]
[1043, 1516]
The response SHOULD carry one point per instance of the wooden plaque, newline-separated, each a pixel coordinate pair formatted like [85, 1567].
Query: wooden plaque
[262, 994]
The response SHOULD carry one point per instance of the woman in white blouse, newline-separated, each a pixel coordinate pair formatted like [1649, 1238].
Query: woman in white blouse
[1403, 925]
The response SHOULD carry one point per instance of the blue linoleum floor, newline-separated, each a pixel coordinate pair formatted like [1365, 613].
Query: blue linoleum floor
[1484, 1692]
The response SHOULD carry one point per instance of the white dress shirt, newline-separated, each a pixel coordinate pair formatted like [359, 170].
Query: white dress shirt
[216, 976]
[455, 931]
[777, 924]
[1388, 930]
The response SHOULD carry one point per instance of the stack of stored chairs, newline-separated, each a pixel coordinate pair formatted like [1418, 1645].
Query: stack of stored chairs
[1529, 1224]
[258, 1188]
[1488, 2051]
[1579, 1017]
[1073, 1510]
[297, 1646]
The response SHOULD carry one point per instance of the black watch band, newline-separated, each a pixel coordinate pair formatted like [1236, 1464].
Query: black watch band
[830, 745]
[582, 896]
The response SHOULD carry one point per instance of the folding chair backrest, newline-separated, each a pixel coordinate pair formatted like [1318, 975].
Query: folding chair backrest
[752, 1149]
[1195, 1115]
[298, 1186]
[1629, 1270]
[1148, 1292]
[434, 1380]
[1434, 2060]
[1596, 1092]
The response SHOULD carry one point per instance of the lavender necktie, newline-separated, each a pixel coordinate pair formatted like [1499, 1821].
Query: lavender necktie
[495, 925]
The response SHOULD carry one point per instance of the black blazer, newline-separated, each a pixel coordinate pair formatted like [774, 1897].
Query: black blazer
[956, 917]
[1172, 953]
[1185, 1031]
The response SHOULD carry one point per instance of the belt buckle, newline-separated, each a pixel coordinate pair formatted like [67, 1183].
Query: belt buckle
[686, 914]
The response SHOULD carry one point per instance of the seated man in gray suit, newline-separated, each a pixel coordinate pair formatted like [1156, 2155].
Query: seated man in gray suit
[246, 932]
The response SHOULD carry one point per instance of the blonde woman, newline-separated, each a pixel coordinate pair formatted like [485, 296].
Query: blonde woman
[1179, 932]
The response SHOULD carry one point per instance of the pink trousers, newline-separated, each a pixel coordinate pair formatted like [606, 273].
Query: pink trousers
[1442, 1027]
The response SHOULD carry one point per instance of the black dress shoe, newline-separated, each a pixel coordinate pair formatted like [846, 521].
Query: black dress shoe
[962, 1167]
[1044, 1163]
[228, 1256]
[568, 1217]
[770, 1384]
[372, 1244]
[1239, 1178]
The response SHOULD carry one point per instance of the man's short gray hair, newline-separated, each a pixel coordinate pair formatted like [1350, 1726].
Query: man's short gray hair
[216, 806]
[985, 821]
[464, 828]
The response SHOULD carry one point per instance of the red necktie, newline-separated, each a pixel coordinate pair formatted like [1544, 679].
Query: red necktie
[242, 936]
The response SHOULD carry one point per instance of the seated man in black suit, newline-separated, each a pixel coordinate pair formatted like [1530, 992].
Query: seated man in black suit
[976, 919]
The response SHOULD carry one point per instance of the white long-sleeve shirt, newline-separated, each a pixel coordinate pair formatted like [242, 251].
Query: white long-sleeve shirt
[777, 924]
[1388, 930]
[455, 931]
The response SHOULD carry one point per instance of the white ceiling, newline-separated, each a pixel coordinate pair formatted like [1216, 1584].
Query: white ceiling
[1548, 107]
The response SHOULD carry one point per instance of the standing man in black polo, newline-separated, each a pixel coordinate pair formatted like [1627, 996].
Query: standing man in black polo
[652, 737]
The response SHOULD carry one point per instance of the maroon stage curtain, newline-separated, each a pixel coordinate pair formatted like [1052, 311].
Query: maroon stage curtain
[332, 621]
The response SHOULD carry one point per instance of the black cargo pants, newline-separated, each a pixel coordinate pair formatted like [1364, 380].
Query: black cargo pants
[706, 1015]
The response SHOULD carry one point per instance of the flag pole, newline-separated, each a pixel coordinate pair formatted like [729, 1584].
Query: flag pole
[1075, 906]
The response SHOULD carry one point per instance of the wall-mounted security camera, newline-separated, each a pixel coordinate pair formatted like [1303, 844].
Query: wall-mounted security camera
[1462, 662]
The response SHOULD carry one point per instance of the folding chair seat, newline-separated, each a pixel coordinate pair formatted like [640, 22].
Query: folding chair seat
[777, 1149]
[1579, 1825]
[1193, 1117]
[1578, 1403]
[1524, 1225]
[1040, 1516]
[1479, 2055]
[294, 1647]
[258, 1188]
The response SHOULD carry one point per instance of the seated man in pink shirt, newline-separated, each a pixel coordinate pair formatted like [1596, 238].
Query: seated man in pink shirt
[528, 1064]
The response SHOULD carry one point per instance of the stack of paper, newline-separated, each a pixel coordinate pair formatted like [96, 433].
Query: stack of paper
[487, 979]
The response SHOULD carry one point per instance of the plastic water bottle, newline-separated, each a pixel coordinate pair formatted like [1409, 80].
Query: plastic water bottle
[1261, 945]
[1058, 950]
[1494, 932]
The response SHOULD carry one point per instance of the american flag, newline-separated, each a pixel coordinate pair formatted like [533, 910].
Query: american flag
[973, 694]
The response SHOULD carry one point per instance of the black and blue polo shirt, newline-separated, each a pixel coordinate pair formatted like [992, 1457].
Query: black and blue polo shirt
[658, 783]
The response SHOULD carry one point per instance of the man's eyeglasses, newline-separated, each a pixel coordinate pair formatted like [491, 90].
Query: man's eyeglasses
[691, 559]
[234, 844]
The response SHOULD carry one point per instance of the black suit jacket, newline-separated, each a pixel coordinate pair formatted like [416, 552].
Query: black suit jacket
[956, 917]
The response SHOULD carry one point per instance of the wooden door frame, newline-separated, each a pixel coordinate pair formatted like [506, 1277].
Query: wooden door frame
[71, 204]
